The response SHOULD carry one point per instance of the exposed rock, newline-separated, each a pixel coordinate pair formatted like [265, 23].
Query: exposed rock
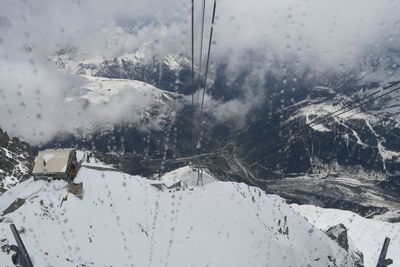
[338, 233]
[76, 189]
[16, 161]
[4, 139]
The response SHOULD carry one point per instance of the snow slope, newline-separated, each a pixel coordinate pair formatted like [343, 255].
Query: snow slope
[87, 159]
[367, 234]
[123, 220]
[98, 90]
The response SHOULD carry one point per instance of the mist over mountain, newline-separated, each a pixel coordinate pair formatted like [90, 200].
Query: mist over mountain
[280, 38]
[301, 111]
[121, 84]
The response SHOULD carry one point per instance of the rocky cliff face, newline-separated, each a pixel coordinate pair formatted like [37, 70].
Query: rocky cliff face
[338, 233]
[341, 161]
[16, 161]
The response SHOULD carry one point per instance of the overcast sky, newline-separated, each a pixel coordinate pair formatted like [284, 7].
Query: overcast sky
[322, 34]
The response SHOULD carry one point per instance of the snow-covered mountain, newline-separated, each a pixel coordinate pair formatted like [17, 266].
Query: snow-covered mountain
[117, 101]
[123, 220]
[121, 84]
[127, 113]
[349, 162]
[366, 234]
[169, 73]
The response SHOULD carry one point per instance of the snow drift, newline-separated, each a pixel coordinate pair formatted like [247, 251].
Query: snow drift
[123, 220]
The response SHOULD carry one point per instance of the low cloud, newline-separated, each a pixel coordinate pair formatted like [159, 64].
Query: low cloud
[45, 102]
[312, 34]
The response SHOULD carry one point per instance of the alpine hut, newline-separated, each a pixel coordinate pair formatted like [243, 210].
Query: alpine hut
[55, 164]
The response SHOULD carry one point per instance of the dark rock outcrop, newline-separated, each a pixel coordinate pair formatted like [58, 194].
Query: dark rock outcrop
[338, 233]
[16, 160]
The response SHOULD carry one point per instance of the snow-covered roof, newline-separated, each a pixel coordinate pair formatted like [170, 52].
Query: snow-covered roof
[52, 161]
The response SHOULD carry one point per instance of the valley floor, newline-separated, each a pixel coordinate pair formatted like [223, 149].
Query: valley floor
[348, 192]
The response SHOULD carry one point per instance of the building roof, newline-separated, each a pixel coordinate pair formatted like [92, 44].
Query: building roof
[53, 161]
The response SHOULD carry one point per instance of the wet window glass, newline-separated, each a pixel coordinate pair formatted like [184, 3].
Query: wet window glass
[199, 133]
